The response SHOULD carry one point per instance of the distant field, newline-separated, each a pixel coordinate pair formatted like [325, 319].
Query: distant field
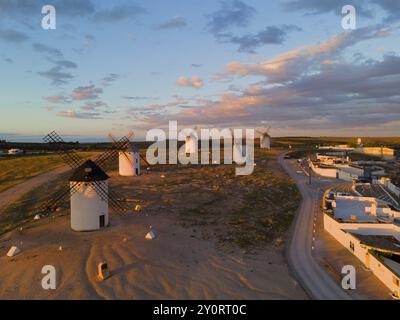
[18, 169]
[314, 141]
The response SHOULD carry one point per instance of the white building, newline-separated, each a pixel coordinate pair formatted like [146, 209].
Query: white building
[129, 161]
[343, 171]
[382, 152]
[89, 198]
[371, 232]
[15, 151]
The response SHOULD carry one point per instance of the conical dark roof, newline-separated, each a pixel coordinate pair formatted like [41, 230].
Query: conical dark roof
[89, 171]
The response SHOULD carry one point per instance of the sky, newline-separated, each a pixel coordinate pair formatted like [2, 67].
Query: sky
[117, 66]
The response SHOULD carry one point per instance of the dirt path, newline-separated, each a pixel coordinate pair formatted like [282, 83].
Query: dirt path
[16, 192]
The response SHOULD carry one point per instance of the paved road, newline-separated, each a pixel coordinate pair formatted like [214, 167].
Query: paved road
[14, 193]
[315, 280]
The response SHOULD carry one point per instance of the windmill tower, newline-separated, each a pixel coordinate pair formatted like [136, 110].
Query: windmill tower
[265, 138]
[237, 150]
[129, 158]
[129, 161]
[89, 210]
[90, 195]
[191, 143]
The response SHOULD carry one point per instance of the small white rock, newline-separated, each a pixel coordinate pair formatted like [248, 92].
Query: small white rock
[13, 251]
[151, 235]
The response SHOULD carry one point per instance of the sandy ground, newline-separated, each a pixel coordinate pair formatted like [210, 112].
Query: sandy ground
[177, 265]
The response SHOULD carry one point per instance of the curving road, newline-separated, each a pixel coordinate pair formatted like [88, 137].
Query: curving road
[14, 193]
[314, 279]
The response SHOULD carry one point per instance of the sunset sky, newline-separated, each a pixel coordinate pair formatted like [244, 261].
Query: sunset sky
[114, 66]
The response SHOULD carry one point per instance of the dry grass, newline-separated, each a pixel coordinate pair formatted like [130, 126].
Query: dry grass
[242, 211]
[18, 169]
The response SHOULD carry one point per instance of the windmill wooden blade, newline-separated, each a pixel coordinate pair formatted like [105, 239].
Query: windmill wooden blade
[125, 155]
[144, 159]
[261, 132]
[111, 197]
[57, 198]
[69, 157]
[127, 158]
[105, 158]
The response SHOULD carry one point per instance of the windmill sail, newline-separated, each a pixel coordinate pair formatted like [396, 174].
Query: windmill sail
[105, 158]
[57, 198]
[69, 157]
[83, 170]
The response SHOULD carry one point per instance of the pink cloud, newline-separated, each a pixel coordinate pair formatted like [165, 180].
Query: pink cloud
[194, 82]
[86, 93]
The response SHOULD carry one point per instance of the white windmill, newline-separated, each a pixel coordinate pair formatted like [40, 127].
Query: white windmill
[88, 189]
[89, 209]
[128, 158]
[129, 161]
[265, 138]
[191, 142]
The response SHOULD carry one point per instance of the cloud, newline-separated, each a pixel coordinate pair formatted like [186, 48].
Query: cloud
[159, 108]
[42, 48]
[331, 97]
[194, 82]
[318, 7]
[73, 8]
[291, 64]
[9, 60]
[57, 99]
[88, 106]
[138, 98]
[270, 35]
[70, 8]
[110, 78]
[56, 73]
[13, 36]
[86, 93]
[231, 14]
[57, 76]
[173, 23]
[79, 115]
[65, 64]
[392, 8]
[119, 13]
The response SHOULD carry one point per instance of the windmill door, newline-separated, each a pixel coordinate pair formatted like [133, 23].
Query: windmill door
[102, 221]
